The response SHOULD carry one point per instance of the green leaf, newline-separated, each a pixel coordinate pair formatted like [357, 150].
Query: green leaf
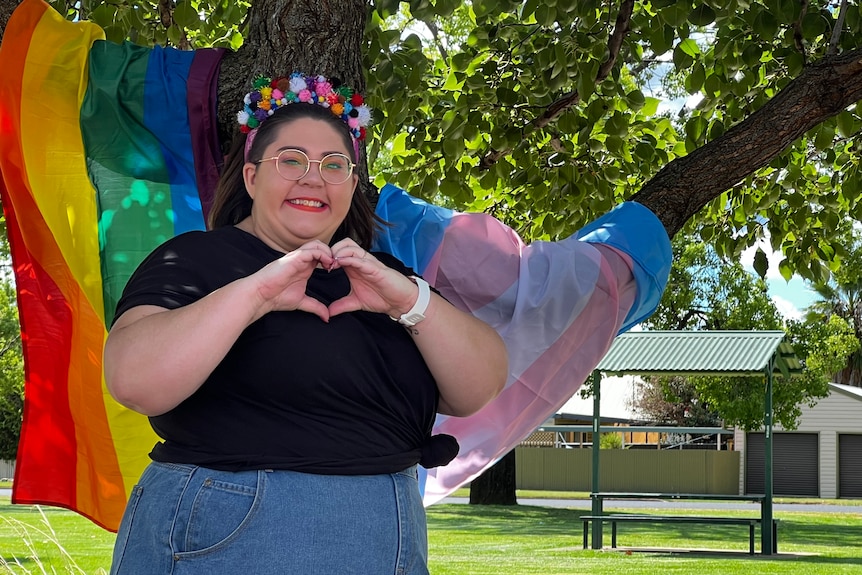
[702, 15]
[846, 124]
[825, 137]
[617, 125]
[586, 81]
[103, 15]
[650, 106]
[675, 14]
[813, 25]
[684, 53]
[690, 47]
[635, 99]
[661, 39]
[694, 81]
[529, 8]
[761, 263]
[186, 16]
[787, 11]
[766, 25]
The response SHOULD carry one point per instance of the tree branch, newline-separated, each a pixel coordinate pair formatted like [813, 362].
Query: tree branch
[435, 33]
[836, 32]
[687, 184]
[798, 38]
[564, 103]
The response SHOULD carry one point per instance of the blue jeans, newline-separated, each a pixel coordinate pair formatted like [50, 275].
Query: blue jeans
[184, 519]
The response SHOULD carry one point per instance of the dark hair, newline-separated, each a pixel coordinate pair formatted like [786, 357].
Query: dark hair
[232, 204]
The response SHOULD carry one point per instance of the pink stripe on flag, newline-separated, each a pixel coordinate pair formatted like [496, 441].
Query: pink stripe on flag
[544, 385]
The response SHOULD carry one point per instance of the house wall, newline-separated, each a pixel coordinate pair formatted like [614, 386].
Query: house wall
[838, 413]
[834, 414]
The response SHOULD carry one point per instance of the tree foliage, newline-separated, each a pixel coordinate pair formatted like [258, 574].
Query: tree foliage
[706, 291]
[841, 297]
[709, 292]
[546, 114]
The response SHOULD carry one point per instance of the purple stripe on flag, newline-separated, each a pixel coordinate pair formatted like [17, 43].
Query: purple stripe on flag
[201, 101]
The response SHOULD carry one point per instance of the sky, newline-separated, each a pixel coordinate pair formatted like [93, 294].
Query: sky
[791, 298]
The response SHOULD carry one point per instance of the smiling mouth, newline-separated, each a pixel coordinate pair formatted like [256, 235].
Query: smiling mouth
[306, 203]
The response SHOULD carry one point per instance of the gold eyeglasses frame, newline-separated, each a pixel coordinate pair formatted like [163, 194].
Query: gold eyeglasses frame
[350, 166]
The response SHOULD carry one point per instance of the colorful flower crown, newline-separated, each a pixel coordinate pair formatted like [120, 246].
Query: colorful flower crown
[271, 94]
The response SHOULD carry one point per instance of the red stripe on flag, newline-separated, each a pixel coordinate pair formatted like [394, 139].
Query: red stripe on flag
[45, 470]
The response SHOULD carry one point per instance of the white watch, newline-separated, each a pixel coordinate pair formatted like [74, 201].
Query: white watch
[417, 312]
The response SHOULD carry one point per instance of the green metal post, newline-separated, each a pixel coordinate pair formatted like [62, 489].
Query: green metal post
[596, 501]
[766, 542]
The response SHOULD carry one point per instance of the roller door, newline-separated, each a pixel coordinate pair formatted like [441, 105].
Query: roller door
[850, 466]
[794, 464]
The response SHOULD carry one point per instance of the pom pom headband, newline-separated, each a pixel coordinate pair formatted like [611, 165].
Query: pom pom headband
[268, 95]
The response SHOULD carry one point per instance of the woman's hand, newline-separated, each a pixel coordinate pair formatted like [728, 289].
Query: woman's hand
[374, 286]
[281, 285]
[467, 357]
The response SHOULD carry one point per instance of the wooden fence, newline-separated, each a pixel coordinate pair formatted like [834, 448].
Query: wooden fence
[632, 470]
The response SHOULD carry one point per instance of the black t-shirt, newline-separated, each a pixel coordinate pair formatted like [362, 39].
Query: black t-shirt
[352, 396]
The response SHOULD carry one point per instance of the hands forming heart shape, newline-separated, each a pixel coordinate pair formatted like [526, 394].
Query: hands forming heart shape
[374, 286]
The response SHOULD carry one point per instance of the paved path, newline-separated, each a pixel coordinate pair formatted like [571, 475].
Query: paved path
[611, 504]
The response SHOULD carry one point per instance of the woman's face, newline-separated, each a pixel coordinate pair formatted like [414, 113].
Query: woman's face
[286, 214]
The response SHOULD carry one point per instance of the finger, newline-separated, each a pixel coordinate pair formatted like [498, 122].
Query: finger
[355, 252]
[305, 258]
[345, 305]
[311, 305]
[346, 242]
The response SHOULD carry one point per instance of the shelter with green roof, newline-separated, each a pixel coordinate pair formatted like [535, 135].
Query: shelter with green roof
[699, 353]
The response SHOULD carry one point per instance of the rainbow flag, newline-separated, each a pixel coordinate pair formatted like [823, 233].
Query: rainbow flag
[103, 149]
[107, 150]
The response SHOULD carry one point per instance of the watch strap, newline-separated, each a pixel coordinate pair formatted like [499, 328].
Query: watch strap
[417, 312]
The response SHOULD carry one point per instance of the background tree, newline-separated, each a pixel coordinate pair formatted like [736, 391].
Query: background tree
[841, 297]
[11, 360]
[540, 113]
[709, 292]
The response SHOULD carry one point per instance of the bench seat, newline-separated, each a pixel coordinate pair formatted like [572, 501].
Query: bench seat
[643, 518]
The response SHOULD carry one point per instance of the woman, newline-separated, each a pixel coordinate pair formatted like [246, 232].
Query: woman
[293, 409]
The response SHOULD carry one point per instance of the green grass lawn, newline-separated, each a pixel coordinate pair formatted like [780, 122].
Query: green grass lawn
[493, 540]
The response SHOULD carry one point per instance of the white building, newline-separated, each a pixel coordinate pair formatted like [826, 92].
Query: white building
[821, 458]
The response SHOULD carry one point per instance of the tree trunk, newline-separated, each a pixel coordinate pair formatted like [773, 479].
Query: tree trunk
[284, 36]
[497, 485]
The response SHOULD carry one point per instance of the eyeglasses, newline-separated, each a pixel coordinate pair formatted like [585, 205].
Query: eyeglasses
[294, 165]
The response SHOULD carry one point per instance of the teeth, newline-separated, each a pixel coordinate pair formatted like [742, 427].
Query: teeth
[308, 203]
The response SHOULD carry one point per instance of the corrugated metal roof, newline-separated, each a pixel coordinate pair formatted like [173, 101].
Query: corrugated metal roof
[725, 353]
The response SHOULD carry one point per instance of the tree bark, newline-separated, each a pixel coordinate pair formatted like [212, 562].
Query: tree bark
[496, 486]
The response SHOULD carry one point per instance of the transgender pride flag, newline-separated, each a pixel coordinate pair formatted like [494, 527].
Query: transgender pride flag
[107, 150]
[557, 305]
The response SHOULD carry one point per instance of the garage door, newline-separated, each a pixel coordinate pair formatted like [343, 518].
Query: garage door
[794, 464]
[850, 465]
